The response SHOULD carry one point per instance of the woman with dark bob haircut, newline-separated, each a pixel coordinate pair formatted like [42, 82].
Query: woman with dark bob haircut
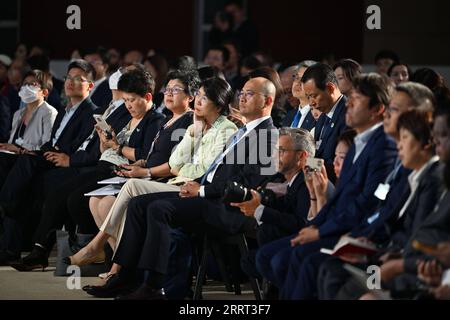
[202, 143]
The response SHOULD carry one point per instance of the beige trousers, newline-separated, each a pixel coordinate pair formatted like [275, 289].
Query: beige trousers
[115, 220]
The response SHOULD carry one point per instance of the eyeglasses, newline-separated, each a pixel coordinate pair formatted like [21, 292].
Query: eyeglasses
[201, 98]
[32, 84]
[173, 91]
[76, 79]
[282, 151]
[248, 94]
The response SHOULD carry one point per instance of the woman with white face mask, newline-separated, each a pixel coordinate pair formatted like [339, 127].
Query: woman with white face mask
[31, 125]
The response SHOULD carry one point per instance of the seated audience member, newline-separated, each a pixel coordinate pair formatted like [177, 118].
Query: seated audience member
[130, 144]
[288, 101]
[203, 141]
[399, 73]
[346, 71]
[366, 165]
[42, 62]
[319, 187]
[217, 57]
[100, 94]
[198, 201]
[384, 60]
[300, 117]
[435, 82]
[159, 68]
[332, 276]
[71, 127]
[32, 125]
[321, 88]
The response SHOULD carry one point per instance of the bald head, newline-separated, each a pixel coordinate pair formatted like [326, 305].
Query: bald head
[257, 98]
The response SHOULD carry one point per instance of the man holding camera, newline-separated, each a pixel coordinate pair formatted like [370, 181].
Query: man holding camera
[289, 212]
[247, 159]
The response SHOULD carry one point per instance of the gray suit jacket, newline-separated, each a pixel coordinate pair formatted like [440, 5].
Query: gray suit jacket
[39, 127]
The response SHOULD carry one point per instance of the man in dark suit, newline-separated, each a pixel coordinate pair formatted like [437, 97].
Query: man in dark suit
[100, 94]
[300, 117]
[367, 164]
[247, 159]
[289, 212]
[321, 89]
[72, 126]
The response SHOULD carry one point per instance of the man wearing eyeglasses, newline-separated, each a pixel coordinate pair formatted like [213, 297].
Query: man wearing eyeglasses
[146, 240]
[72, 126]
[100, 93]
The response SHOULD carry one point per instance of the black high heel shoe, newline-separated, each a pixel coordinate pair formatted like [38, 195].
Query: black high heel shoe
[37, 259]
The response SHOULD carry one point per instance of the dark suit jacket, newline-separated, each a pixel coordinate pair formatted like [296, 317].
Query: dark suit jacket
[290, 215]
[144, 134]
[102, 95]
[89, 157]
[434, 230]
[250, 166]
[421, 206]
[246, 167]
[308, 124]
[328, 146]
[354, 200]
[77, 129]
[389, 209]
[5, 119]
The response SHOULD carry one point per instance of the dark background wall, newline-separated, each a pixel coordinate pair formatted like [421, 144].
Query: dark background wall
[133, 24]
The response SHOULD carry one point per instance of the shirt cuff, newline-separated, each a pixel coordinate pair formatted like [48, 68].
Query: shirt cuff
[201, 192]
[258, 214]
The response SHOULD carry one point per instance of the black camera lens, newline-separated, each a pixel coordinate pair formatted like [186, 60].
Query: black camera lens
[236, 193]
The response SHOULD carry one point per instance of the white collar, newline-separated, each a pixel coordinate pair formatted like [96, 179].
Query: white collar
[253, 124]
[293, 179]
[364, 137]
[415, 176]
[331, 113]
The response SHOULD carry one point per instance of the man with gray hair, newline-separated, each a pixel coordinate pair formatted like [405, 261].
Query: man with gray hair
[289, 212]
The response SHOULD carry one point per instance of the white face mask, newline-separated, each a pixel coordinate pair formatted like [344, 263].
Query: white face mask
[29, 94]
[114, 80]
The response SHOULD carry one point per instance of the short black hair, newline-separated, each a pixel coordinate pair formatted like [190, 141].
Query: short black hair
[399, 63]
[43, 78]
[443, 110]
[350, 67]
[137, 81]
[189, 78]
[387, 54]
[101, 51]
[374, 86]
[85, 66]
[418, 123]
[39, 62]
[219, 92]
[224, 50]
[251, 63]
[347, 137]
[208, 72]
[321, 74]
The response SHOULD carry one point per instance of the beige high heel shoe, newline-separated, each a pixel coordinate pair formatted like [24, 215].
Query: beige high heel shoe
[86, 259]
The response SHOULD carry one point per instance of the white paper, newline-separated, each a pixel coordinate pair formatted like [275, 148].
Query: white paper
[114, 180]
[109, 190]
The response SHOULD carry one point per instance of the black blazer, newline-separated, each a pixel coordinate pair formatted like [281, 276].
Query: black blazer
[308, 124]
[290, 215]
[102, 96]
[145, 132]
[89, 157]
[243, 170]
[250, 169]
[328, 146]
[77, 129]
[421, 206]
[166, 143]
